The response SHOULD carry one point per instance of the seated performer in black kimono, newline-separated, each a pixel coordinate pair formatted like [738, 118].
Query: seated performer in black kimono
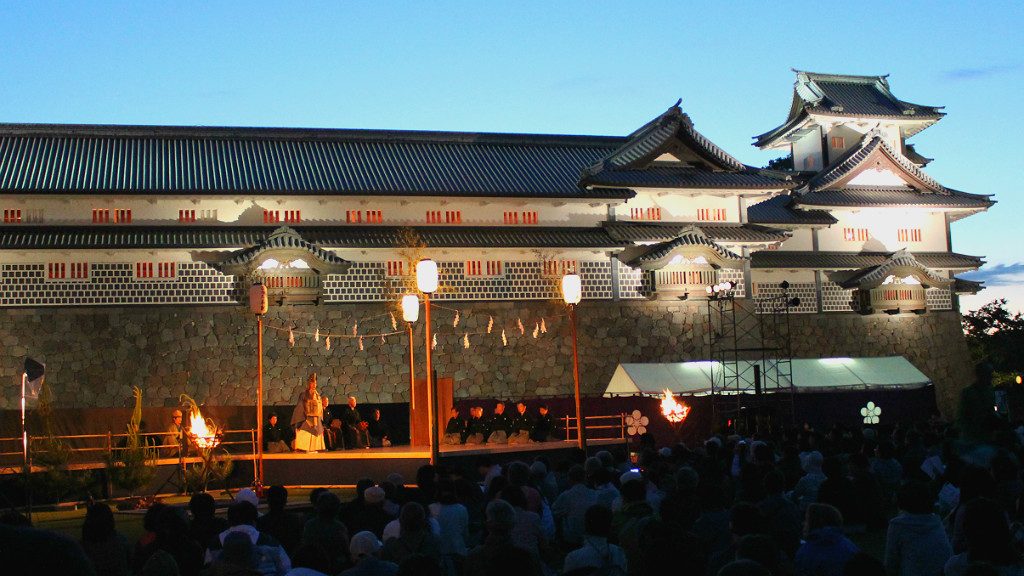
[380, 433]
[543, 426]
[455, 430]
[522, 426]
[500, 425]
[353, 427]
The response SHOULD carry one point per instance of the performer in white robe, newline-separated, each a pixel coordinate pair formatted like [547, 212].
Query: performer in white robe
[307, 418]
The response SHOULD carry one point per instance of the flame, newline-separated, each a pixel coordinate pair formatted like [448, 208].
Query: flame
[674, 411]
[205, 436]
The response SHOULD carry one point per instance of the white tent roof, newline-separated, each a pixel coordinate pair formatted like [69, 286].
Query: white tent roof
[809, 375]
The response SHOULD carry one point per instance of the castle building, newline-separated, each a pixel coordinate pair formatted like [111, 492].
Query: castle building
[123, 217]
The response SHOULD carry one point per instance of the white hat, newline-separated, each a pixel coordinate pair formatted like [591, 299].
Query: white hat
[363, 543]
[631, 475]
[247, 495]
[374, 495]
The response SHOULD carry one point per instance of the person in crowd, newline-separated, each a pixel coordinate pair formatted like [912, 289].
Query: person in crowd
[415, 537]
[107, 549]
[976, 417]
[206, 525]
[838, 490]
[916, 543]
[455, 429]
[453, 520]
[365, 549]
[596, 553]
[271, 558]
[380, 432]
[888, 471]
[172, 537]
[286, 527]
[310, 560]
[782, 516]
[543, 425]
[805, 492]
[371, 516]
[145, 545]
[307, 419]
[476, 428]
[276, 437]
[521, 425]
[744, 520]
[27, 550]
[327, 531]
[500, 425]
[526, 533]
[570, 508]
[497, 554]
[988, 542]
[238, 557]
[354, 426]
[826, 550]
[174, 441]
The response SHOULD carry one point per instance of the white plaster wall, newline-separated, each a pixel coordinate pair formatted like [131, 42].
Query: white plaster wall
[801, 240]
[682, 206]
[763, 276]
[883, 226]
[808, 147]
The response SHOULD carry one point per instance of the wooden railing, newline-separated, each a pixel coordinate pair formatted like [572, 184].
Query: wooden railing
[610, 427]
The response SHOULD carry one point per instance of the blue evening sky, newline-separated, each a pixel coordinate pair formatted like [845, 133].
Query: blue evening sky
[549, 67]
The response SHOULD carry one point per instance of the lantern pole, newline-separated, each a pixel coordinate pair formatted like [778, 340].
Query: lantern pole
[427, 281]
[258, 306]
[572, 293]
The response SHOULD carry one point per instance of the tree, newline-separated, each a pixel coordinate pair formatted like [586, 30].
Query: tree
[996, 335]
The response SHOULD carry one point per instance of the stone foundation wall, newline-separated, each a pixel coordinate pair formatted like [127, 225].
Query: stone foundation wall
[94, 355]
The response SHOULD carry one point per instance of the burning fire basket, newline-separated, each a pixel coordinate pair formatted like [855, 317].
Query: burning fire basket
[205, 437]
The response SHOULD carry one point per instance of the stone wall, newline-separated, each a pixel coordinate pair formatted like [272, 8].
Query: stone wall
[94, 355]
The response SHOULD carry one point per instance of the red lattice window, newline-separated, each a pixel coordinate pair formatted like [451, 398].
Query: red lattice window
[473, 268]
[484, 269]
[433, 216]
[838, 142]
[293, 216]
[271, 216]
[284, 282]
[512, 217]
[559, 268]
[453, 216]
[652, 213]
[711, 214]
[396, 268]
[12, 216]
[100, 215]
[143, 269]
[354, 216]
[375, 216]
[123, 216]
[56, 270]
[80, 270]
[186, 215]
[908, 235]
[165, 270]
[529, 217]
[856, 234]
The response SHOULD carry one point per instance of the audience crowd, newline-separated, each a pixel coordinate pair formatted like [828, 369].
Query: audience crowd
[908, 501]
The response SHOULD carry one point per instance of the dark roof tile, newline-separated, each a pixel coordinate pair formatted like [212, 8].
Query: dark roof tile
[856, 261]
[781, 210]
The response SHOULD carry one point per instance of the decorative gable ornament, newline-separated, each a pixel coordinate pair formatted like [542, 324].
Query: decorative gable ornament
[290, 267]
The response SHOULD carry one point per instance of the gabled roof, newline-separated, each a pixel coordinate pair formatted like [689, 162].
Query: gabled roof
[872, 150]
[665, 231]
[145, 160]
[286, 244]
[965, 286]
[914, 156]
[691, 241]
[867, 197]
[703, 165]
[899, 264]
[782, 210]
[335, 237]
[785, 259]
[846, 95]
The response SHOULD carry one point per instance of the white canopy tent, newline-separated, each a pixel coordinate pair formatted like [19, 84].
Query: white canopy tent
[809, 375]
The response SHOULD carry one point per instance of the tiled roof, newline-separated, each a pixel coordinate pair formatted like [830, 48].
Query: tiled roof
[882, 196]
[141, 237]
[870, 145]
[965, 286]
[903, 259]
[180, 160]
[857, 261]
[691, 237]
[664, 231]
[910, 151]
[845, 95]
[663, 134]
[781, 210]
[868, 96]
[686, 177]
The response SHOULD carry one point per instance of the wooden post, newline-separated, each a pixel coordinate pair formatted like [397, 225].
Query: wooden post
[581, 440]
[259, 404]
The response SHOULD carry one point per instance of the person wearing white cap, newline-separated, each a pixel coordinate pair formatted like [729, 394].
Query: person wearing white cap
[365, 548]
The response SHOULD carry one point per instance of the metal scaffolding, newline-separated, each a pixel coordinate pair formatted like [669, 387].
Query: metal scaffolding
[751, 353]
